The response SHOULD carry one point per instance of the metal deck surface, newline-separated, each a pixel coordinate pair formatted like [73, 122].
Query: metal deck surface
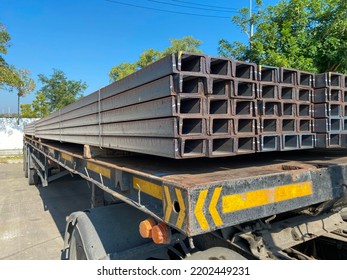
[201, 195]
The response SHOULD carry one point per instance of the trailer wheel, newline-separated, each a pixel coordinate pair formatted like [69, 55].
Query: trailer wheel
[216, 253]
[76, 249]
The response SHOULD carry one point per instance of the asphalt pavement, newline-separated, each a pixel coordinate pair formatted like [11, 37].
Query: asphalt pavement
[32, 218]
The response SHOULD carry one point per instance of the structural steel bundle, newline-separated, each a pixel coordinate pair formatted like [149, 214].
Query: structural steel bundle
[192, 105]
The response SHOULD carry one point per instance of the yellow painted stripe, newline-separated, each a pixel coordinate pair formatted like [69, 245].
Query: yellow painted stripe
[179, 54]
[199, 213]
[182, 212]
[168, 208]
[66, 157]
[213, 207]
[106, 172]
[148, 188]
[257, 198]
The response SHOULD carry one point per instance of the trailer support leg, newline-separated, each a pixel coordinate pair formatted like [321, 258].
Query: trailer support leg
[97, 199]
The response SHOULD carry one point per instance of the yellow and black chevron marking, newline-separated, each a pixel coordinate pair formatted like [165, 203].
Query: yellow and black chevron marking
[217, 205]
[211, 205]
[174, 206]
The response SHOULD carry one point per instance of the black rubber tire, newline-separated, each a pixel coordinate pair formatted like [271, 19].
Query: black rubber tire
[76, 250]
[344, 214]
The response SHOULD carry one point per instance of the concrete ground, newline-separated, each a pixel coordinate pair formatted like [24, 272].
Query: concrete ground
[32, 218]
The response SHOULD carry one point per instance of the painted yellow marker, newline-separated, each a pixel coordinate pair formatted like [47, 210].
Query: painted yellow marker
[182, 212]
[199, 214]
[180, 54]
[237, 202]
[168, 204]
[106, 172]
[66, 157]
[149, 188]
[213, 207]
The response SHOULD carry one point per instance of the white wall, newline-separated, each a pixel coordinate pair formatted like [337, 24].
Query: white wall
[11, 134]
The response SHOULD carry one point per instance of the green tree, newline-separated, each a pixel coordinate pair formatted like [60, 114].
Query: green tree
[4, 43]
[309, 35]
[58, 91]
[186, 44]
[40, 106]
[122, 70]
[12, 79]
[26, 111]
[38, 109]
[147, 57]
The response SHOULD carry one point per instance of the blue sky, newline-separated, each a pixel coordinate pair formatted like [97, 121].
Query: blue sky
[85, 38]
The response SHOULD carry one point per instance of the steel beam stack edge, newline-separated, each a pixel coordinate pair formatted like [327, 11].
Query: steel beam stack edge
[330, 110]
[189, 105]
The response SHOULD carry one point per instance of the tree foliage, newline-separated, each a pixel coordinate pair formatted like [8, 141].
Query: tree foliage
[39, 108]
[58, 91]
[309, 35]
[12, 79]
[187, 44]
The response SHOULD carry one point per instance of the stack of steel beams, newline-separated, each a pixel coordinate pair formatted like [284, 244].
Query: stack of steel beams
[284, 105]
[193, 105]
[330, 110]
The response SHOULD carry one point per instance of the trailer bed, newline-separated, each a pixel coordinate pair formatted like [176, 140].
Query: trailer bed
[196, 196]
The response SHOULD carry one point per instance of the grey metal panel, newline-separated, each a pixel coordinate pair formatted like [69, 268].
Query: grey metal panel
[165, 107]
[244, 70]
[246, 126]
[268, 90]
[191, 84]
[245, 89]
[221, 147]
[246, 144]
[288, 92]
[270, 108]
[268, 73]
[192, 126]
[220, 126]
[305, 125]
[327, 94]
[163, 127]
[165, 147]
[157, 89]
[304, 94]
[328, 125]
[269, 142]
[270, 125]
[288, 125]
[290, 142]
[328, 140]
[305, 79]
[222, 87]
[289, 109]
[325, 110]
[289, 76]
[219, 67]
[307, 141]
[328, 79]
[244, 108]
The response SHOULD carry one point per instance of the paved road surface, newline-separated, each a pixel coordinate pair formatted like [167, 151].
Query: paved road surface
[32, 219]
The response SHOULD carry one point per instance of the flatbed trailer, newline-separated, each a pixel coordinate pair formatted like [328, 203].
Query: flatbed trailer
[278, 205]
